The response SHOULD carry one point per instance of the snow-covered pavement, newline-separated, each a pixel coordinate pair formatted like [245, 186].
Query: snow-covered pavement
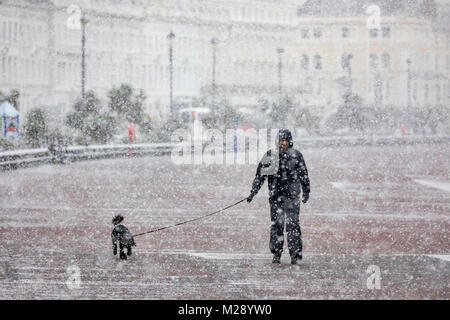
[371, 208]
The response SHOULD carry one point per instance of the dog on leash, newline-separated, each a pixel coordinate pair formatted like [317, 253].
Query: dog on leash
[122, 236]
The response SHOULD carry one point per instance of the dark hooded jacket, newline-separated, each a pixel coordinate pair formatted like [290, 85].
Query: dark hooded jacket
[286, 178]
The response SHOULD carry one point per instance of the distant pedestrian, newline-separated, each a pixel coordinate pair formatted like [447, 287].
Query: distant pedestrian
[284, 183]
[131, 133]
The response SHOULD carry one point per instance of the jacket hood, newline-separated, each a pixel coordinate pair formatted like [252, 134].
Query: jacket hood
[285, 134]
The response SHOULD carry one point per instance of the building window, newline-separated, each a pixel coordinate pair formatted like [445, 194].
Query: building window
[4, 30]
[317, 33]
[15, 30]
[345, 32]
[345, 61]
[317, 62]
[305, 62]
[386, 60]
[305, 33]
[3, 71]
[373, 33]
[319, 87]
[386, 32]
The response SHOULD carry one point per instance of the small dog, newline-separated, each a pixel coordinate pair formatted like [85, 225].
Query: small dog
[123, 236]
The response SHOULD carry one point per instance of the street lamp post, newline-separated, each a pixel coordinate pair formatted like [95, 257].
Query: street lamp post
[171, 36]
[213, 84]
[84, 22]
[408, 63]
[408, 89]
[280, 66]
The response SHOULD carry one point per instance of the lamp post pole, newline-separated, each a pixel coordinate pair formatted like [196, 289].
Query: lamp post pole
[171, 36]
[84, 22]
[408, 100]
[350, 80]
[280, 51]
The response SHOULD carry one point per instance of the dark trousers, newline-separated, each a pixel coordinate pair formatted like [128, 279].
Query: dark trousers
[283, 210]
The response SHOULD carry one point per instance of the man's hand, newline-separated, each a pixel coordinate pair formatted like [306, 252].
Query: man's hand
[305, 197]
[250, 197]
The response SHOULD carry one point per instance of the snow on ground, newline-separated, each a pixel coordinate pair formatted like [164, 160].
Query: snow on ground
[441, 256]
[434, 184]
[364, 211]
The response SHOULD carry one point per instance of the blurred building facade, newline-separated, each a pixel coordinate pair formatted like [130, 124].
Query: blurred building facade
[327, 50]
[399, 60]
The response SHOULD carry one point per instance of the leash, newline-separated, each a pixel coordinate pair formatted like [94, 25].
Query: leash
[184, 222]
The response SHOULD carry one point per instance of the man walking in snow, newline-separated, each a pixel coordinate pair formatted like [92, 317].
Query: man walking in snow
[286, 171]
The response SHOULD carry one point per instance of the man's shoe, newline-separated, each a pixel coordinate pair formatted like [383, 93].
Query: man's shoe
[123, 256]
[276, 258]
[129, 251]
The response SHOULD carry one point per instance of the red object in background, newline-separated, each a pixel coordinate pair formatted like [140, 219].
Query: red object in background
[402, 127]
[131, 133]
